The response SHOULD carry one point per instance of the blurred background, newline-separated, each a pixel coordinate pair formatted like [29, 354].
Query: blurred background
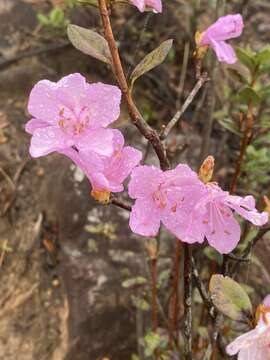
[67, 264]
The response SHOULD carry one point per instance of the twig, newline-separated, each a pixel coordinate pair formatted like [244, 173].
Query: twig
[3, 252]
[244, 144]
[183, 74]
[137, 119]
[120, 204]
[5, 62]
[154, 294]
[202, 290]
[188, 301]
[175, 293]
[165, 132]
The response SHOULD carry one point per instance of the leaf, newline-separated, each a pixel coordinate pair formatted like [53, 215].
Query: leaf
[246, 58]
[152, 341]
[43, 19]
[212, 254]
[134, 281]
[248, 94]
[151, 60]
[57, 16]
[89, 42]
[230, 125]
[263, 57]
[230, 298]
[140, 303]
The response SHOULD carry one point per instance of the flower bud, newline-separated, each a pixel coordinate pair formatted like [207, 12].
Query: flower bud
[152, 249]
[200, 49]
[206, 169]
[102, 197]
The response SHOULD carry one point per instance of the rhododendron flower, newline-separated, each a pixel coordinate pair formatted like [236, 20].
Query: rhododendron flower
[225, 28]
[255, 344]
[158, 194]
[156, 5]
[70, 113]
[212, 217]
[106, 173]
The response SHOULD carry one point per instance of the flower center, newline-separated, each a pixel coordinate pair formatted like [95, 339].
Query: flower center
[73, 122]
[160, 198]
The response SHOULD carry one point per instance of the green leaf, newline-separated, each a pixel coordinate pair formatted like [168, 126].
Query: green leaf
[212, 254]
[246, 58]
[230, 125]
[89, 42]
[134, 281]
[57, 16]
[248, 94]
[43, 19]
[230, 298]
[140, 303]
[151, 341]
[263, 57]
[151, 60]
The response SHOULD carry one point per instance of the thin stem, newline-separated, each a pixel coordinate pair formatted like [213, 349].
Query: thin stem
[137, 119]
[244, 144]
[175, 293]
[120, 204]
[154, 294]
[202, 80]
[188, 301]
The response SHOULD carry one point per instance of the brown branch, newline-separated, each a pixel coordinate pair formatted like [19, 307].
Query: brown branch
[154, 294]
[175, 294]
[188, 301]
[202, 80]
[137, 119]
[244, 144]
[120, 204]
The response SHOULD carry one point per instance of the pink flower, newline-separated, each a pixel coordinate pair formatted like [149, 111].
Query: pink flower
[212, 217]
[225, 28]
[106, 173]
[158, 194]
[70, 113]
[255, 344]
[156, 5]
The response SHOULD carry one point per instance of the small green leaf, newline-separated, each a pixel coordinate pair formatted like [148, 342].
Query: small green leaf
[230, 125]
[246, 58]
[89, 42]
[230, 298]
[263, 57]
[151, 60]
[57, 16]
[140, 303]
[134, 281]
[248, 94]
[212, 254]
[152, 341]
[43, 19]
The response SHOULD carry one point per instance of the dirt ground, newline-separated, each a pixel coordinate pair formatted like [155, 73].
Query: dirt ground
[62, 257]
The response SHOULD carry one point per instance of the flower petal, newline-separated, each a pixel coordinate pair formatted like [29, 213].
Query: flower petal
[34, 124]
[156, 5]
[255, 352]
[145, 218]
[140, 4]
[48, 139]
[97, 140]
[223, 230]
[246, 208]
[71, 90]
[43, 103]
[103, 102]
[144, 181]
[225, 52]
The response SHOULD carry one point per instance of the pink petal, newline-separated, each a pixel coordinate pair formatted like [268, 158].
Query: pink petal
[225, 53]
[225, 28]
[255, 352]
[43, 103]
[71, 90]
[266, 300]
[144, 181]
[223, 230]
[97, 140]
[140, 4]
[103, 102]
[99, 182]
[34, 124]
[246, 208]
[47, 140]
[145, 218]
[156, 5]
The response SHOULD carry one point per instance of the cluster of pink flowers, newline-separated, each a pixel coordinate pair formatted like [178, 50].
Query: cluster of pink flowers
[71, 118]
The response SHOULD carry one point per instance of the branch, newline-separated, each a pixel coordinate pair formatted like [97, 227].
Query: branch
[137, 119]
[120, 204]
[188, 301]
[202, 80]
